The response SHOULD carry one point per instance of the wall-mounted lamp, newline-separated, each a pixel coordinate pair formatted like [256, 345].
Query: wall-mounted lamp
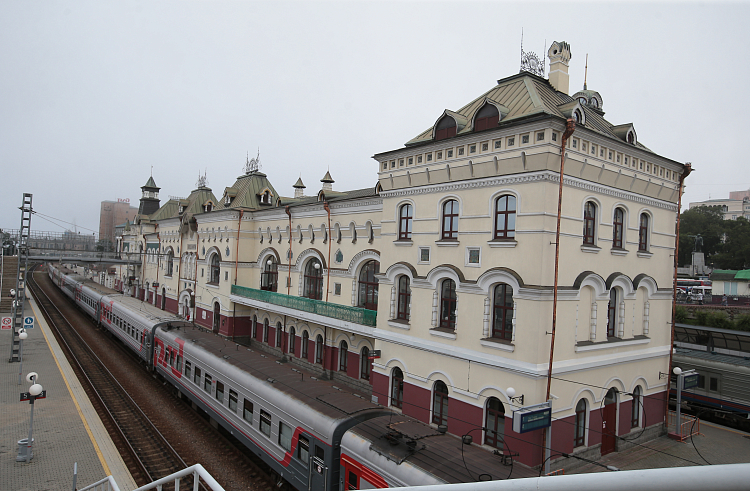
[511, 393]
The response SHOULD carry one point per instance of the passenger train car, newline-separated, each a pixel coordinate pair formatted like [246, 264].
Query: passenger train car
[312, 433]
[721, 357]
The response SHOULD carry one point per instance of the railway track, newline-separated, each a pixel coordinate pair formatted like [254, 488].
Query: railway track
[146, 453]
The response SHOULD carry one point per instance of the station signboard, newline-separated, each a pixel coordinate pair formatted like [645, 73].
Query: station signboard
[532, 418]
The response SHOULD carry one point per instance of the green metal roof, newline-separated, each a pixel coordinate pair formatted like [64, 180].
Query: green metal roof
[248, 187]
[743, 275]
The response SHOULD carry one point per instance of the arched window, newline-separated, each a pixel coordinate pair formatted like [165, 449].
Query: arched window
[580, 424]
[397, 388]
[305, 340]
[319, 349]
[365, 363]
[292, 334]
[643, 233]
[368, 285]
[279, 334]
[217, 316]
[343, 356]
[448, 304]
[405, 216]
[440, 403]
[612, 314]
[214, 269]
[313, 280]
[589, 223]
[450, 220]
[505, 217]
[170, 262]
[265, 331]
[502, 306]
[635, 412]
[495, 427]
[486, 118]
[445, 128]
[404, 298]
[618, 222]
[270, 276]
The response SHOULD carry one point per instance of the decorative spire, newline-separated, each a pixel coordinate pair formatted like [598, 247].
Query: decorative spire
[530, 62]
[252, 165]
[299, 188]
[586, 72]
[327, 182]
[202, 183]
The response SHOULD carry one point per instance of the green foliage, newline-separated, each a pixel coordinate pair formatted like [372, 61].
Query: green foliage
[701, 317]
[726, 243]
[720, 320]
[742, 322]
[681, 314]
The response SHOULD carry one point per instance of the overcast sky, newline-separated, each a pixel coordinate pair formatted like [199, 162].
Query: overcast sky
[93, 94]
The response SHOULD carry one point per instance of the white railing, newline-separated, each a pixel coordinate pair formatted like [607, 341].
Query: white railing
[197, 471]
[106, 484]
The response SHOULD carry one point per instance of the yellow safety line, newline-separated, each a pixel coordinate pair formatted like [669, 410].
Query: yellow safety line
[107, 472]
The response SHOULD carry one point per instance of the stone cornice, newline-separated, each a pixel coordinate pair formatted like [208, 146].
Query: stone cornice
[544, 176]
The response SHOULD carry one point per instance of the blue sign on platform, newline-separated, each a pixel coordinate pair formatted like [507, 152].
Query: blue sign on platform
[28, 322]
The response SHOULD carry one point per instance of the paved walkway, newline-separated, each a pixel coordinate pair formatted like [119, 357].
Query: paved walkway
[66, 427]
[716, 444]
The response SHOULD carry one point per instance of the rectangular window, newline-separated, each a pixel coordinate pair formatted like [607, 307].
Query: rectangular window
[265, 423]
[400, 162]
[220, 392]
[472, 148]
[524, 139]
[701, 381]
[485, 147]
[285, 436]
[188, 367]
[593, 149]
[618, 158]
[393, 164]
[226, 275]
[498, 143]
[609, 155]
[713, 384]
[460, 150]
[439, 156]
[554, 136]
[583, 146]
[232, 400]
[411, 160]
[207, 381]
[247, 411]
[424, 255]
[449, 153]
[429, 157]
[201, 273]
[303, 449]
[178, 363]
[540, 136]
[197, 376]
[385, 166]
[473, 257]
[337, 288]
[419, 159]
[511, 141]
[575, 143]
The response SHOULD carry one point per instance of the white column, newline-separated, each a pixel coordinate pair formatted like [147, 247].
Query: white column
[486, 319]
[646, 308]
[393, 302]
[621, 320]
[434, 308]
[513, 334]
[592, 334]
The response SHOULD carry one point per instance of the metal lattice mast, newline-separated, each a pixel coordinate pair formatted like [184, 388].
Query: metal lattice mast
[23, 263]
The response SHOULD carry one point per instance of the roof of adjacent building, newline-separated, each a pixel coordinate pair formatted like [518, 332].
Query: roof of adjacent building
[525, 95]
[730, 274]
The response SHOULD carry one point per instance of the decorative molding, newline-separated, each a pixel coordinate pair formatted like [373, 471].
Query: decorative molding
[495, 345]
[612, 344]
[543, 176]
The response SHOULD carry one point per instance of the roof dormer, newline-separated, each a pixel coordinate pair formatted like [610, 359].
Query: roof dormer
[488, 116]
[448, 125]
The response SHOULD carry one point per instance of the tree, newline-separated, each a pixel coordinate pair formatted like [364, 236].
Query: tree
[706, 221]
[734, 252]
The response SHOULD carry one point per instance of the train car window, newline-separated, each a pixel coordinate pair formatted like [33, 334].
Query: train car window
[188, 366]
[178, 364]
[713, 384]
[303, 449]
[285, 436]
[701, 381]
[320, 453]
[265, 423]
[197, 376]
[207, 381]
[219, 392]
[353, 484]
[247, 411]
[232, 400]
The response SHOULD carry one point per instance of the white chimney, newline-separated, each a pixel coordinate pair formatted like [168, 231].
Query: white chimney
[559, 56]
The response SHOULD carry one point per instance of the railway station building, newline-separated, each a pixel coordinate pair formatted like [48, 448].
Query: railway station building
[433, 290]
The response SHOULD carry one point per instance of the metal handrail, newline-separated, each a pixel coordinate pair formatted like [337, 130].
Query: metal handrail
[108, 484]
[197, 471]
[346, 313]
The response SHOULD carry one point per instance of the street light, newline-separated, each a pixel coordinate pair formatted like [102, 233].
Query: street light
[22, 334]
[36, 391]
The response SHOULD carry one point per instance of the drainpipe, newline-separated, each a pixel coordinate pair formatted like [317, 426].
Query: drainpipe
[289, 255]
[686, 172]
[570, 127]
[158, 264]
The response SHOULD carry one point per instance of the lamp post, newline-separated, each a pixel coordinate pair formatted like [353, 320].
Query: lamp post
[22, 334]
[36, 391]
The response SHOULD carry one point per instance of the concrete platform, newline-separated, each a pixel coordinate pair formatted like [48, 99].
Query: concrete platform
[66, 427]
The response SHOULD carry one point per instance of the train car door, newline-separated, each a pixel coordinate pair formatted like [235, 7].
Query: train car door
[609, 422]
[318, 478]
